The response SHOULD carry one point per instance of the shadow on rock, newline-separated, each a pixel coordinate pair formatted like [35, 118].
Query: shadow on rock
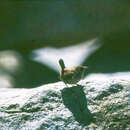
[75, 100]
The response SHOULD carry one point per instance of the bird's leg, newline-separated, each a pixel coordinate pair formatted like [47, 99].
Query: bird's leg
[66, 84]
[77, 84]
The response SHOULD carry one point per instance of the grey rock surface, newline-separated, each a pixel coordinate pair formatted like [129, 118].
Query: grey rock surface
[98, 102]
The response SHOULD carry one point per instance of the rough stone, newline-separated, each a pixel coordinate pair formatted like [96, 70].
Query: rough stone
[98, 102]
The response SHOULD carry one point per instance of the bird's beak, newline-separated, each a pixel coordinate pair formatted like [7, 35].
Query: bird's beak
[85, 67]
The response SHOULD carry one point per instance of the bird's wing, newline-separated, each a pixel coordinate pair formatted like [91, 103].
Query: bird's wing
[69, 75]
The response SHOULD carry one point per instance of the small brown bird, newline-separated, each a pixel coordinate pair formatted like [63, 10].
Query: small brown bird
[71, 75]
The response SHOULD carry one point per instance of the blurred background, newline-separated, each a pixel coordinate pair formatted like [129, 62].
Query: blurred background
[35, 34]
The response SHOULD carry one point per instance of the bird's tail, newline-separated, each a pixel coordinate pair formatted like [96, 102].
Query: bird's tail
[62, 65]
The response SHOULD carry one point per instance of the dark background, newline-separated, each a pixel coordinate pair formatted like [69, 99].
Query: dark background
[31, 24]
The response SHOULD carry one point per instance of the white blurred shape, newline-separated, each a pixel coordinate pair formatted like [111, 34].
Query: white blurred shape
[72, 55]
[6, 81]
[9, 60]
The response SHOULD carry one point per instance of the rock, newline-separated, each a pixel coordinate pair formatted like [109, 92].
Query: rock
[98, 102]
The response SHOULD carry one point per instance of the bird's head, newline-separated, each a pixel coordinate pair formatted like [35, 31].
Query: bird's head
[81, 70]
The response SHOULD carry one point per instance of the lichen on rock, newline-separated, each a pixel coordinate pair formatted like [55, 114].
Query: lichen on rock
[93, 104]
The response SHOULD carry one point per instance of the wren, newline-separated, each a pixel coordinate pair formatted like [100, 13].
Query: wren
[71, 75]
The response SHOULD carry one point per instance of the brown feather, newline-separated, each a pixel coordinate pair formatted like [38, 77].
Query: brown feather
[71, 75]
